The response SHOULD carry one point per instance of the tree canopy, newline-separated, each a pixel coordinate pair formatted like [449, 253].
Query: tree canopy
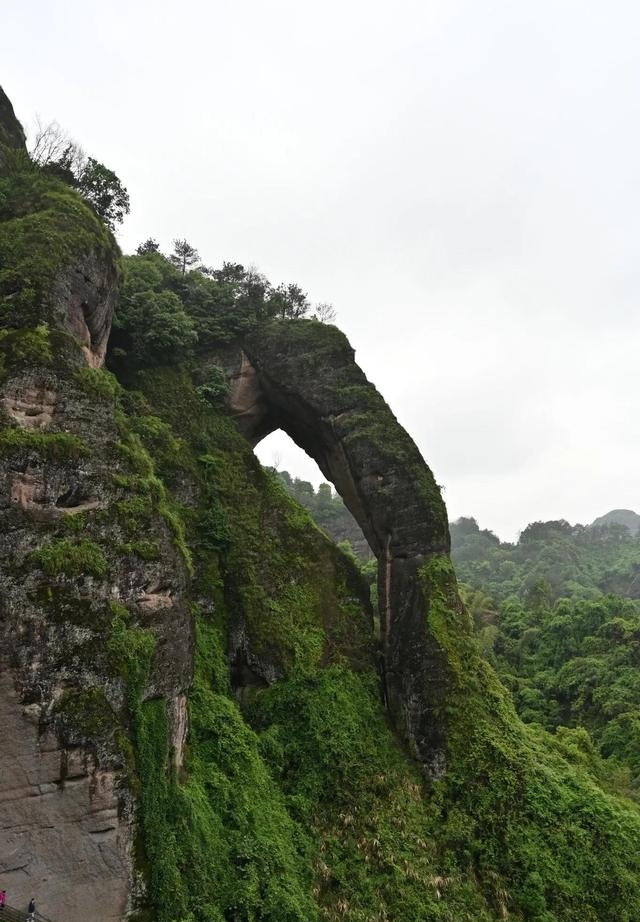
[172, 306]
[59, 155]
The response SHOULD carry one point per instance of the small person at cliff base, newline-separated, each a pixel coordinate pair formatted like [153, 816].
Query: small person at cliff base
[31, 911]
[3, 898]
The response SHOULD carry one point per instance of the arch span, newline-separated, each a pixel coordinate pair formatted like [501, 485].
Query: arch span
[302, 377]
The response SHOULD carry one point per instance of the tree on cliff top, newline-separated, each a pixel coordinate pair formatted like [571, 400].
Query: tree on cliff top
[184, 256]
[60, 156]
[100, 186]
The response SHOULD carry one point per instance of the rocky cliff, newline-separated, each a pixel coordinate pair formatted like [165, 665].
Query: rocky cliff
[78, 577]
[203, 720]
[11, 132]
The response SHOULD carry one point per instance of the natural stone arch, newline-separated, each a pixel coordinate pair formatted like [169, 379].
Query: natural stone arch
[303, 378]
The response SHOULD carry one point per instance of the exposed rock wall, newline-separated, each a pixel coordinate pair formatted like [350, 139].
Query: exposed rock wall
[84, 299]
[11, 133]
[62, 837]
[64, 781]
[89, 564]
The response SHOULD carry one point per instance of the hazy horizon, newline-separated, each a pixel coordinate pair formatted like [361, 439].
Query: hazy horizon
[277, 447]
[459, 179]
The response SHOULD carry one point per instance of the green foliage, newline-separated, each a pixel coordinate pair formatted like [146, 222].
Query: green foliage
[159, 799]
[329, 513]
[71, 557]
[173, 308]
[100, 186]
[51, 446]
[85, 713]
[99, 383]
[520, 805]
[261, 868]
[569, 662]
[280, 589]
[498, 836]
[44, 227]
[39, 348]
[154, 325]
[325, 737]
[184, 256]
[571, 560]
[145, 550]
[305, 807]
[28, 347]
[151, 492]
[221, 842]
[575, 664]
[214, 386]
[130, 650]
[57, 155]
[169, 456]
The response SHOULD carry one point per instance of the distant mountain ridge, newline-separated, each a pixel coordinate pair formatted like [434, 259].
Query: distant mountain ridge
[556, 558]
[626, 517]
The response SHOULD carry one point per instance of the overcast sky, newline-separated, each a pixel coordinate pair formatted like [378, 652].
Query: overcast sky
[459, 178]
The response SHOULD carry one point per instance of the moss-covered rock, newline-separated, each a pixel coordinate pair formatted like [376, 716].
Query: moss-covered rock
[302, 377]
[59, 264]
[11, 131]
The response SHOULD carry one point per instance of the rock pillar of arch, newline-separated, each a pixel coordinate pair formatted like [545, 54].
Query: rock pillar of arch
[302, 377]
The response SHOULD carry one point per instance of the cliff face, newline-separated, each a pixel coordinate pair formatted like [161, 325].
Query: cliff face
[87, 561]
[11, 133]
[197, 724]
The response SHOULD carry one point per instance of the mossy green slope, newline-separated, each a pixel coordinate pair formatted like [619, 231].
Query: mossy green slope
[45, 227]
[309, 777]
[302, 806]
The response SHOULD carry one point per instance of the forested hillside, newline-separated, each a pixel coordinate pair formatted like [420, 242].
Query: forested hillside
[550, 558]
[557, 613]
[330, 513]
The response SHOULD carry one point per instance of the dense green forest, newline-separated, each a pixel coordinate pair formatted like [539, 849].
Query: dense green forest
[173, 307]
[557, 613]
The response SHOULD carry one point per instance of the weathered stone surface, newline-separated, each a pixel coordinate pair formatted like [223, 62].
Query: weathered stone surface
[11, 132]
[303, 378]
[84, 299]
[30, 407]
[63, 839]
[67, 812]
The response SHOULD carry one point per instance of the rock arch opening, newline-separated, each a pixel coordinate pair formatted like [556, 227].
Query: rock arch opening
[304, 380]
[304, 480]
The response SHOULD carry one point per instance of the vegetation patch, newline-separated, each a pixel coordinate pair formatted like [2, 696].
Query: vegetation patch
[44, 227]
[51, 446]
[85, 714]
[71, 557]
[99, 383]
